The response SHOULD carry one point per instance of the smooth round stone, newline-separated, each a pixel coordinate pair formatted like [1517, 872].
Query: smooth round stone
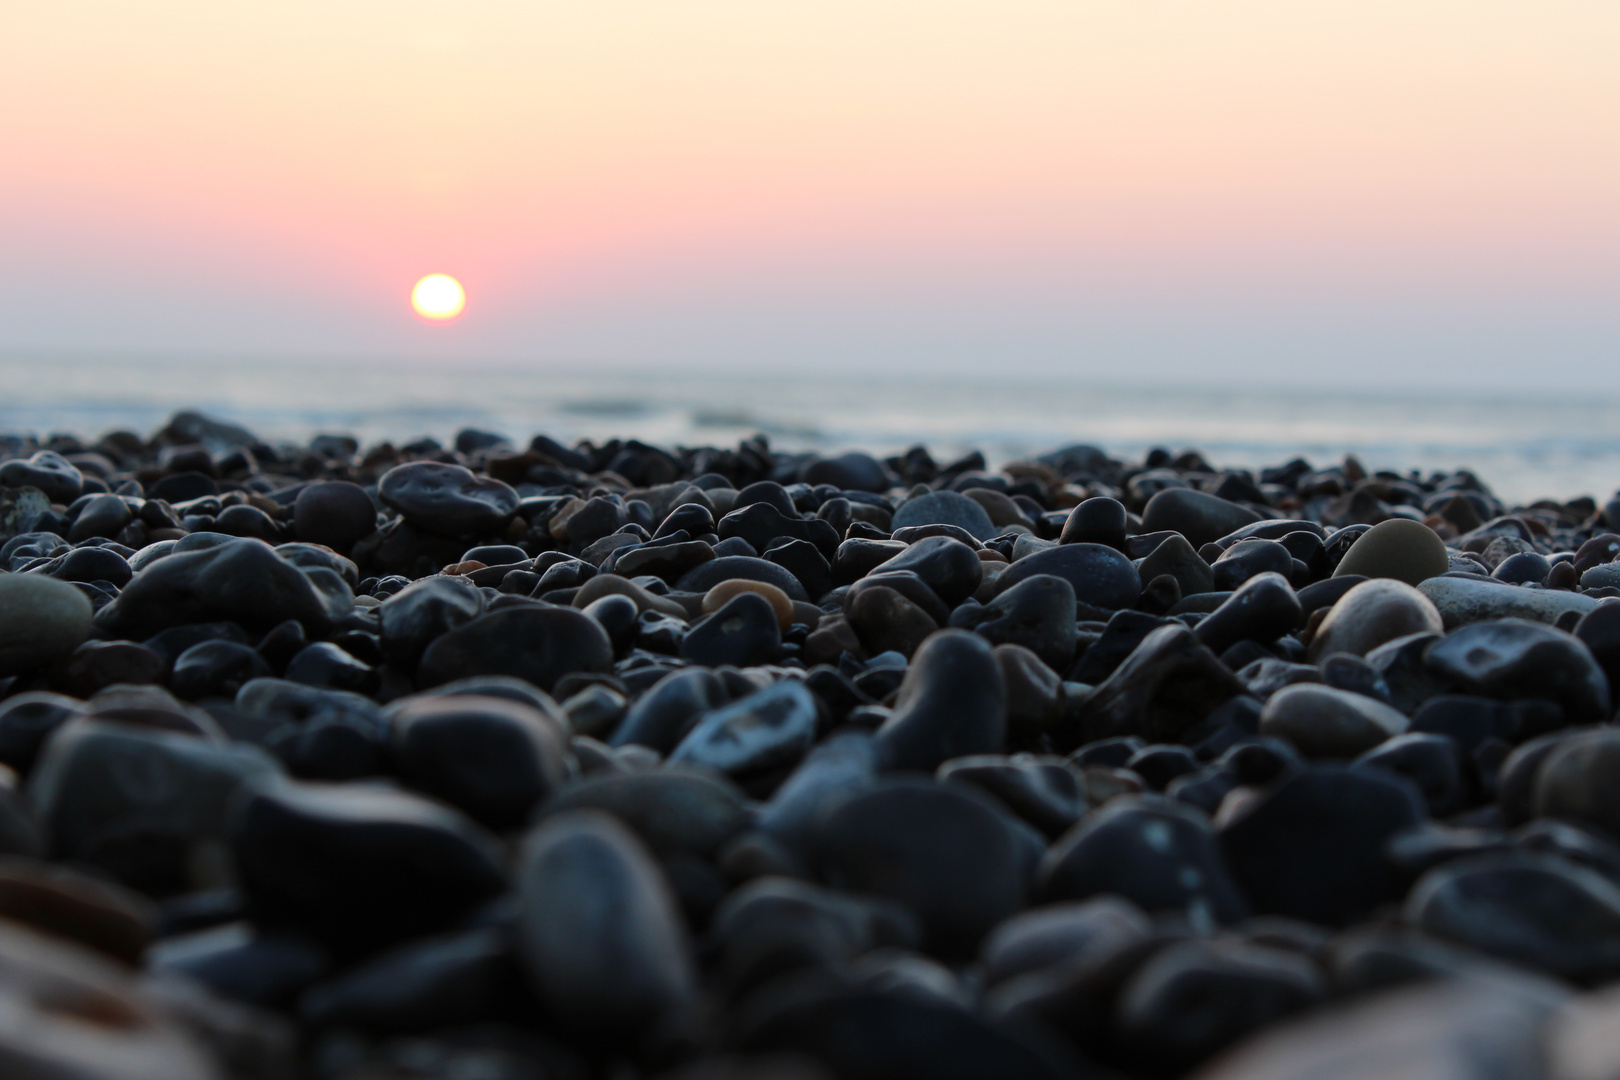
[94, 564]
[1311, 846]
[1606, 576]
[331, 666]
[447, 499]
[1246, 558]
[1575, 781]
[103, 515]
[136, 801]
[1101, 576]
[947, 566]
[950, 855]
[238, 580]
[673, 810]
[1263, 608]
[1431, 762]
[1177, 558]
[1200, 517]
[48, 471]
[359, 866]
[766, 729]
[534, 643]
[613, 585]
[717, 597]
[599, 929]
[1538, 911]
[853, 471]
[1322, 722]
[96, 665]
[336, 513]
[1159, 855]
[746, 567]
[945, 508]
[1514, 659]
[952, 703]
[1373, 613]
[42, 620]
[492, 758]
[1523, 567]
[1098, 520]
[77, 906]
[1046, 792]
[1461, 601]
[619, 616]
[1195, 998]
[1037, 613]
[1399, 548]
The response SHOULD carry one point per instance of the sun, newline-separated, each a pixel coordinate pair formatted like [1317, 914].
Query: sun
[438, 298]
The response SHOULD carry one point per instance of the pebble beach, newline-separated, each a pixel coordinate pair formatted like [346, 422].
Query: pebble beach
[511, 757]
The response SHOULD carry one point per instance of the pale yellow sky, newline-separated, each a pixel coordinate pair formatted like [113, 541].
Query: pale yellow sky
[300, 163]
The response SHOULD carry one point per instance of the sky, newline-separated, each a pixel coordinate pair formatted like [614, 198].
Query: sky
[1423, 191]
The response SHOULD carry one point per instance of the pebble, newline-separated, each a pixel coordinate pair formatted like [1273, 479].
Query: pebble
[447, 499]
[763, 730]
[42, 621]
[1514, 659]
[1200, 517]
[1165, 688]
[1179, 559]
[1371, 614]
[1574, 782]
[1101, 576]
[1461, 601]
[948, 854]
[743, 632]
[952, 703]
[1100, 520]
[600, 933]
[491, 758]
[537, 644]
[1399, 548]
[945, 508]
[947, 566]
[1037, 613]
[336, 513]
[1047, 792]
[327, 859]
[1159, 855]
[1323, 722]
[1262, 609]
[48, 471]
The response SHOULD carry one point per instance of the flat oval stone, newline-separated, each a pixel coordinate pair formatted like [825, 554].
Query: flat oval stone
[450, 500]
[42, 620]
[1514, 659]
[1461, 601]
[359, 866]
[1373, 613]
[238, 580]
[1322, 722]
[48, 471]
[600, 932]
[747, 567]
[1539, 911]
[535, 643]
[1200, 517]
[952, 703]
[768, 728]
[945, 508]
[1399, 548]
[1101, 576]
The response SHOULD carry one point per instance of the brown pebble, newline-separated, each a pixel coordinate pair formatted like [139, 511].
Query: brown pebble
[716, 598]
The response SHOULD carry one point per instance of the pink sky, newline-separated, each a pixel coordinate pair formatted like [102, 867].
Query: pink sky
[1428, 190]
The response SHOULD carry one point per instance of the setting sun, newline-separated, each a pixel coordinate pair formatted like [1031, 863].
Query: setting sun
[438, 297]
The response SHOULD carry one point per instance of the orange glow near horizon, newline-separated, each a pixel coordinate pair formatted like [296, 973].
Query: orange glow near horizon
[438, 298]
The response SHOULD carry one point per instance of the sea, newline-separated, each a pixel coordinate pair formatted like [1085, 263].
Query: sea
[1524, 445]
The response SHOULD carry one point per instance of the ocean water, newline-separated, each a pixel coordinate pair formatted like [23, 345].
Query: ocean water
[1524, 446]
